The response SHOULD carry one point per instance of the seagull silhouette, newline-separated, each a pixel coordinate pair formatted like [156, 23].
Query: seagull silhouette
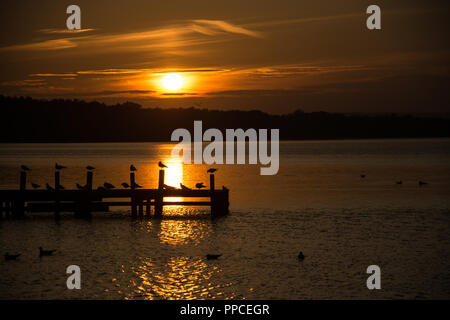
[213, 256]
[183, 187]
[133, 168]
[59, 187]
[167, 187]
[43, 252]
[59, 167]
[125, 185]
[9, 257]
[422, 183]
[108, 185]
[399, 182]
[212, 170]
[24, 168]
[301, 256]
[101, 188]
[90, 168]
[200, 185]
[49, 188]
[363, 176]
[35, 186]
[136, 186]
[80, 187]
[162, 165]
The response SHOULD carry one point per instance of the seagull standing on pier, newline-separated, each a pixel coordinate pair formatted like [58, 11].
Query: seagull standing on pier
[125, 185]
[421, 183]
[24, 168]
[212, 170]
[49, 188]
[59, 167]
[133, 168]
[183, 187]
[136, 186]
[90, 168]
[80, 187]
[399, 182]
[108, 186]
[200, 185]
[59, 187]
[35, 186]
[162, 165]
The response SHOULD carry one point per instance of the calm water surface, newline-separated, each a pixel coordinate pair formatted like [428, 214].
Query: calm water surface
[317, 204]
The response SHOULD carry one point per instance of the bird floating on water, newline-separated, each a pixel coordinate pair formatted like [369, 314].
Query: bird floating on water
[200, 185]
[108, 185]
[183, 187]
[213, 256]
[9, 257]
[24, 168]
[212, 170]
[49, 188]
[43, 252]
[35, 186]
[422, 183]
[59, 167]
[301, 256]
[133, 168]
[90, 168]
[162, 165]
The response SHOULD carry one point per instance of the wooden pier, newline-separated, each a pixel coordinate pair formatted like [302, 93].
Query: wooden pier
[15, 203]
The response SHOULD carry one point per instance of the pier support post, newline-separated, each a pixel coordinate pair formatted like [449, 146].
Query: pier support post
[159, 196]
[23, 180]
[57, 187]
[1, 209]
[219, 203]
[133, 199]
[147, 208]
[19, 204]
[89, 178]
[211, 182]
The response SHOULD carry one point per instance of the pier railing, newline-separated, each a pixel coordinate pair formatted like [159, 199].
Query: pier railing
[16, 203]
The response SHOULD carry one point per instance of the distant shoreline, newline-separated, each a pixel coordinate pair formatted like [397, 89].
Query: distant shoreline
[174, 142]
[28, 120]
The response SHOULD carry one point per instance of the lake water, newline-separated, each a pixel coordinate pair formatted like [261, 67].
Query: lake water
[317, 203]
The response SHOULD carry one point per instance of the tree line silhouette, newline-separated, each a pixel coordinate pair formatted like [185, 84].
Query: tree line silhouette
[25, 119]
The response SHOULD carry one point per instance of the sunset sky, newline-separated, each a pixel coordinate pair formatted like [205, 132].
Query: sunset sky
[276, 56]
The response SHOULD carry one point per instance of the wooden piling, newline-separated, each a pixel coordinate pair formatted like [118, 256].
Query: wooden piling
[1, 209]
[23, 180]
[133, 199]
[57, 186]
[89, 178]
[211, 182]
[147, 208]
[141, 208]
[159, 197]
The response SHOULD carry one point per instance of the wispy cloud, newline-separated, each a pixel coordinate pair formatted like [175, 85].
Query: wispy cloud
[188, 33]
[64, 31]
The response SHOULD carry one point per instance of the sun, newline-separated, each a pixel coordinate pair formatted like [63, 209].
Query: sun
[172, 81]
